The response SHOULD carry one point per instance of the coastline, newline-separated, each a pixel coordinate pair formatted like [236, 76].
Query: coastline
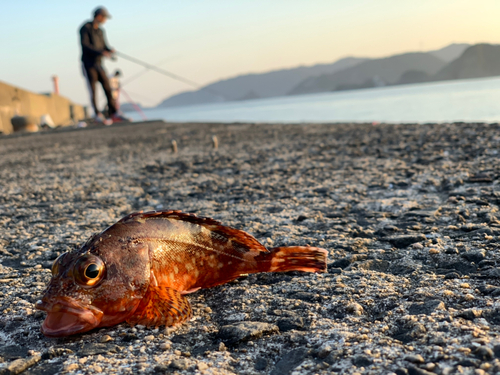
[408, 213]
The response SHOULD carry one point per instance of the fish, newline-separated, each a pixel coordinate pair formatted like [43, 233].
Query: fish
[140, 269]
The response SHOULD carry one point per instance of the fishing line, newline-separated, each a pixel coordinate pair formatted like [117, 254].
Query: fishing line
[166, 73]
[134, 104]
[142, 72]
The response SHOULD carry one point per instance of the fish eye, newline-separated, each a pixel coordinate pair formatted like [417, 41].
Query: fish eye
[89, 270]
[92, 271]
[57, 263]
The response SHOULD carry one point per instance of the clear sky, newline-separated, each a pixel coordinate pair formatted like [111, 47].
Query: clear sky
[209, 40]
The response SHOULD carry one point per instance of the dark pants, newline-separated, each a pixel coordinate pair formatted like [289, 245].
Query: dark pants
[93, 74]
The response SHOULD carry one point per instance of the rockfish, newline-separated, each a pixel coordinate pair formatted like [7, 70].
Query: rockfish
[139, 270]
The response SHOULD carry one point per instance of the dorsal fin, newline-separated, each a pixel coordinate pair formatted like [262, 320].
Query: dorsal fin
[244, 240]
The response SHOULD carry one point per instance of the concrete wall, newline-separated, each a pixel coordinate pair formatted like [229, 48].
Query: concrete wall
[15, 101]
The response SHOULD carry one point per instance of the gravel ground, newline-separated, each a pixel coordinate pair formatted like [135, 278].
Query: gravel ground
[408, 213]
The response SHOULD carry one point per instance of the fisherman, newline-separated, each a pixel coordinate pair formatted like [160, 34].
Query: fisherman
[94, 48]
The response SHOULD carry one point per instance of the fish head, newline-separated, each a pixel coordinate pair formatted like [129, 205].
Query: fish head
[99, 285]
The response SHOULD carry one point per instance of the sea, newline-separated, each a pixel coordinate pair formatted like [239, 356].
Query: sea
[472, 100]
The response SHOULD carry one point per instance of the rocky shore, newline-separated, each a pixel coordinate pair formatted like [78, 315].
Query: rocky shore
[408, 213]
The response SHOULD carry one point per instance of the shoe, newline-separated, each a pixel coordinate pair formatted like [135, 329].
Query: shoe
[99, 118]
[120, 118]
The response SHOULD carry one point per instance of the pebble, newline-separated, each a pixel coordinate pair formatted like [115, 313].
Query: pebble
[355, 309]
[244, 331]
[106, 338]
[414, 358]
[202, 366]
[71, 367]
[483, 353]
[165, 345]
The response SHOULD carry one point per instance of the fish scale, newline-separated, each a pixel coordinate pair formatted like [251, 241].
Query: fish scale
[143, 265]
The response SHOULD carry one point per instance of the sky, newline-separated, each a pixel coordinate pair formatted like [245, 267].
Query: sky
[205, 41]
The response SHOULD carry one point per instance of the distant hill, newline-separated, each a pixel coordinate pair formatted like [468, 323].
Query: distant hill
[259, 85]
[371, 73]
[451, 52]
[480, 60]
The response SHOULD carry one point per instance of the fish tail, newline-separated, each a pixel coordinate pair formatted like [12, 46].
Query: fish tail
[293, 258]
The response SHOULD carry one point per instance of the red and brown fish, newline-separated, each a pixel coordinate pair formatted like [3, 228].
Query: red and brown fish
[139, 269]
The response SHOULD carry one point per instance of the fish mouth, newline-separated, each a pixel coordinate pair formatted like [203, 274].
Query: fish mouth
[67, 317]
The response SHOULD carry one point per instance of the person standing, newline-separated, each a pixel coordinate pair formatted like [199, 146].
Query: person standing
[94, 48]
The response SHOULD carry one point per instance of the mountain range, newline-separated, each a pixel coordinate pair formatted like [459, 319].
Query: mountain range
[254, 86]
[456, 61]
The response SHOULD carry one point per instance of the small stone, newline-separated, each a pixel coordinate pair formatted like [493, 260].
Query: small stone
[334, 270]
[20, 365]
[417, 246]
[426, 307]
[179, 364]
[260, 364]
[412, 370]
[405, 240]
[71, 367]
[288, 324]
[451, 250]
[244, 331]
[474, 256]
[94, 348]
[208, 310]
[149, 338]
[483, 353]
[434, 251]
[202, 366]
[464, 285]
[289, 361]
[496, 350]
[177, 352]
[165, 345]
[222, 347]
[414, 358]
[355, 309]
[470, 314]
[362, 361]
[97, 368]
[324, 351]
[374, 265]
[106, 338]
[469, 297]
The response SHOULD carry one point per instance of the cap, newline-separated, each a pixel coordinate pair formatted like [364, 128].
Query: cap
[103, 11]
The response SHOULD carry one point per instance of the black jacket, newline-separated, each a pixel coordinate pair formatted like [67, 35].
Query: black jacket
[93, 44]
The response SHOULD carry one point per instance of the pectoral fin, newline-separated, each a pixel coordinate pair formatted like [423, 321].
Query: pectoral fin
[161, 306]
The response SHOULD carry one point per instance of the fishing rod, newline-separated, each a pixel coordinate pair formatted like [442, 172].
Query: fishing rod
[166, 73]
[141, 73]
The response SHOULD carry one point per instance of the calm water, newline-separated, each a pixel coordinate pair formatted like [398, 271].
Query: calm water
[466, 100]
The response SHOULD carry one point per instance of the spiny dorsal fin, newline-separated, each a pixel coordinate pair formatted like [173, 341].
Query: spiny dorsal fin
[244, 240]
